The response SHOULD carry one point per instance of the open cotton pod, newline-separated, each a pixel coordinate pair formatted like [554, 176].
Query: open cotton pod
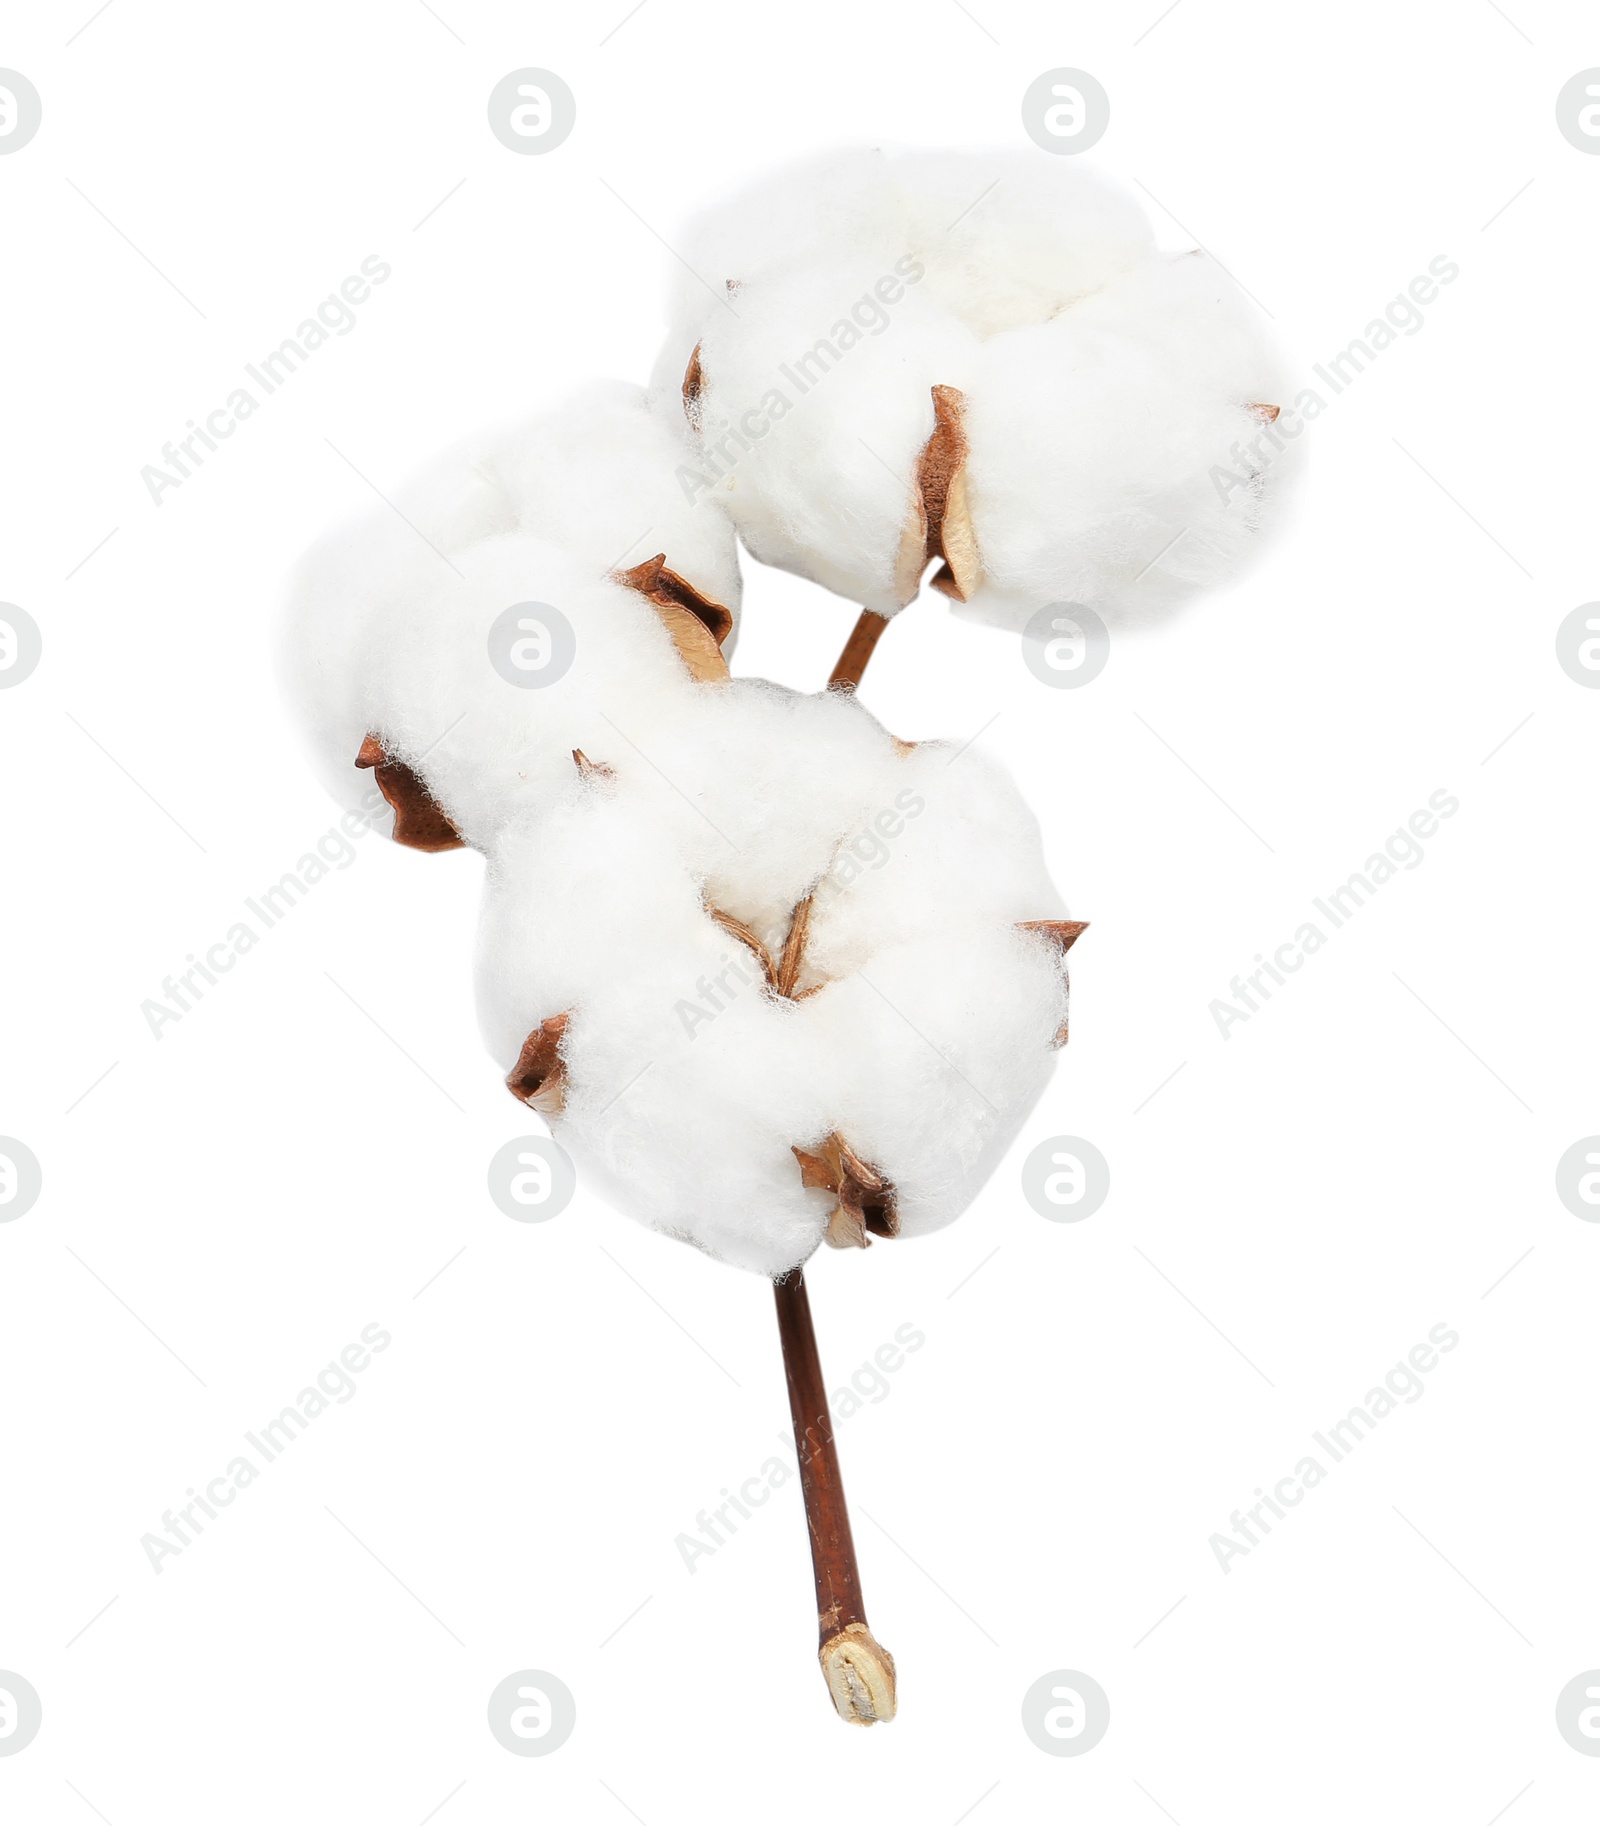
[789, 990]
[423, 631]
[979, 360]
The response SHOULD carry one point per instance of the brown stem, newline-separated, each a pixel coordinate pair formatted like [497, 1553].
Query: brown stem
[864, 636]
[859, 1672]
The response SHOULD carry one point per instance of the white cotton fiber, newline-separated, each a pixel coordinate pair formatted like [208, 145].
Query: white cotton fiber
[1117, 402]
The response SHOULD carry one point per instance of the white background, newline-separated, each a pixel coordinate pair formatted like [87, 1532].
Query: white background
[304, 1152]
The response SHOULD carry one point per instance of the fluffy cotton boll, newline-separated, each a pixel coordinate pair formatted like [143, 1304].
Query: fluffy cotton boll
[389, 616]
[1095, 394]
[1160, 464]
[920, 1021]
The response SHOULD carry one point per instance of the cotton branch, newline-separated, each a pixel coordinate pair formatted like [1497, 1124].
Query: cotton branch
[858, 1670]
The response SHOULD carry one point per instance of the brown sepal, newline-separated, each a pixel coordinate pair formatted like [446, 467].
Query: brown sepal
[866, 1199]
[698, 626]
[794, 949]
[736, 928]
[539, 1077]
[419, 820]
[781, 973]
[940, 524]
[1062, 933]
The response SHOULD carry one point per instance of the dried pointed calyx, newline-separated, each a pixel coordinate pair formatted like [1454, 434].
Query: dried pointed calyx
[419, 821]
[698, 626]
[539, 1077]
[940, 523]
[782, 973]
[866, 1199]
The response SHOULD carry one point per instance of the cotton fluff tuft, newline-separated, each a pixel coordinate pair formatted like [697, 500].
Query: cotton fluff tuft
[1116, 401]
[639, 905]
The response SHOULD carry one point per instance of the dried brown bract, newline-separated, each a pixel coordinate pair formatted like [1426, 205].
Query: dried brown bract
[698, 626]
[419, 821]
[866, 1199]
[539, 1077]
[736, 928]
[940, 524]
